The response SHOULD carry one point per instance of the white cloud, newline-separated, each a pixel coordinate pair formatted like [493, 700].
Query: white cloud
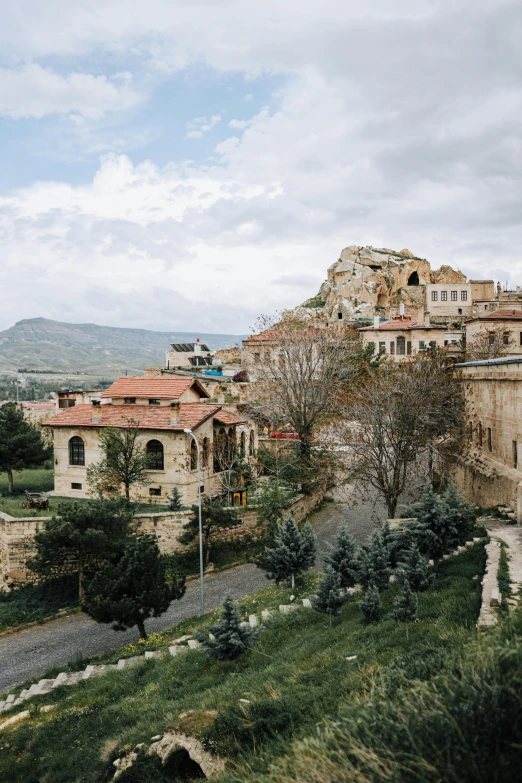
[33, 91]
[201, 125]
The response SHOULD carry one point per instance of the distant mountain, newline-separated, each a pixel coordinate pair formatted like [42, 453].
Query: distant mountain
[41, 344]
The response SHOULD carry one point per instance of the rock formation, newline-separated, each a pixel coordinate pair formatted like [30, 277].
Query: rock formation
[368, 281]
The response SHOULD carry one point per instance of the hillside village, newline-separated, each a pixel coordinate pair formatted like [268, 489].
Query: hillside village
[361, 451]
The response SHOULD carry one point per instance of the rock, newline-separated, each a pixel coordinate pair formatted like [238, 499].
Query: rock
[62, 677]
[307, 603]
[156, 738]
[265, 614]
[194, 644]
[182, 639]
[10, 699]
[48, 708]
[253, 621]
[245, 701]
[176, 746]
[496, 597]
[150, 654]
[284, 608]
[88, 671]
[124, 763]
[351, 658]
[14, 719]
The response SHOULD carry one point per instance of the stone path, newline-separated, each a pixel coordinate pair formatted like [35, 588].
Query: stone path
[512, 535]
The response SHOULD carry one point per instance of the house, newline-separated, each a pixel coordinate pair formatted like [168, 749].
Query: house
[490, 471]
[510, 321]
[401, 337]
[71, 397]
[189, 356]
[163, 408]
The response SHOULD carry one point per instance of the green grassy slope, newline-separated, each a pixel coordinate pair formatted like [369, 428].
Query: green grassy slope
[293, 679]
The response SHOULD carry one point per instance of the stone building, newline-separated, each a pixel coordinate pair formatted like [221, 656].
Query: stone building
[510, 321]
[401, 338]
[490, 471]
[162, 408]
[189, 356]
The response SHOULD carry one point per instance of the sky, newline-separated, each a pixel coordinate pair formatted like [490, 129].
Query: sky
[191, 164]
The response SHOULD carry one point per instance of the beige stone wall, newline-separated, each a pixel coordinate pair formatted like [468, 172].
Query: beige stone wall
[491, 472]
[448, 308]
[514, 328]
[415, 336]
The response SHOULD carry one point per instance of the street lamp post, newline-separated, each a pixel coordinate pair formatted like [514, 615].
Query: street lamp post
[201, 586]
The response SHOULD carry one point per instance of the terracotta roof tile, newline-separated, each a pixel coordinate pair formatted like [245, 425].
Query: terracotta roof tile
[224, 417]
[192, 414]
[158, 388]
[501, 315]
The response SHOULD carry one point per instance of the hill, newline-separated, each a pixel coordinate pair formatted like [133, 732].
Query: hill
[42, 344]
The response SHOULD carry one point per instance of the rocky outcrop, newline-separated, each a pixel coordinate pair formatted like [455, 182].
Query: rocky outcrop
[368, 281]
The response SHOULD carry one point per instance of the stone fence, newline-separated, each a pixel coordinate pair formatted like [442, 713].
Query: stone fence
[17, 533]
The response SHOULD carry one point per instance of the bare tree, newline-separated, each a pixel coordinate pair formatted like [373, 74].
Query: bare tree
[306, 374]
[393, 421]
[489, 342]
[124, 462]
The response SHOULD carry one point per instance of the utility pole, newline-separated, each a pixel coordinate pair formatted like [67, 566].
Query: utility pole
[201, 569]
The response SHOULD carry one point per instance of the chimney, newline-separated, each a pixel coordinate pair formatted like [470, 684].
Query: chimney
[175, 406]
[197, 346]
[96, 412]
[376, 321]
[427, 321]
[402, 310]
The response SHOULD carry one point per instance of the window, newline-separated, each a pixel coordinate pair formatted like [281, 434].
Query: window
[340, 316]
[515, 454]
[251, 444]
[155, 455]
[154, 402]
[454, 296]
[392, 348]
[408, 347]
[434, 296]
[490, 439]
[491, 338]
[75, 485]
[130, 400]
[463, 296]
[76, 451]
[155, 491]
[460, 310]
[66, 403]
[193, 455]
[382, 347]
[443, 296]
[206, 453]
[422, 345]
[520, 338]
[480, 434]
[242, 445]
[401, 346]
[505, 338]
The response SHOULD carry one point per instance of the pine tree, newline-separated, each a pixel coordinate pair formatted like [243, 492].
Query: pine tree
[329, 599]
[21, 444]
[436, 528]
[461, 513]
[293, 552]
[370, 605]
[175, 501]
[229, 638]
[373, 563]
[405, 606]
[414, 569]
[134, 587]
[342, 558]
[395, 543]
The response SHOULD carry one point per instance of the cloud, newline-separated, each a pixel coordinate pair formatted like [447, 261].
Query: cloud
[34, 91]
[201, 125]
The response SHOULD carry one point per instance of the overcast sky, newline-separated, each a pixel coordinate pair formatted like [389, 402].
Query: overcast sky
[189, 164]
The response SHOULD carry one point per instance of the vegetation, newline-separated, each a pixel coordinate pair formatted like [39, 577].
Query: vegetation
[490, 342]
[175, 502]
[370, 605]
[329, 599]
[292, 553]
[342, 558]
[132, 587]
[21, 444]
[374, 565]
[80, 536]
[125, 461]
[214, 518]
[292, 681]
[439, 527]
[405, 606]
[34, 603]
[229, 638]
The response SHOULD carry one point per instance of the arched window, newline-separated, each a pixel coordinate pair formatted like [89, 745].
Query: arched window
[251, 444]
[155, 455]
[206, 453]
[220, 449]
[193, 455]
[242, 445]
[76, 451]
[401, 346]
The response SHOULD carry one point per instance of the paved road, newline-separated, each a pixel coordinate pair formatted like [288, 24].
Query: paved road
[33, 652]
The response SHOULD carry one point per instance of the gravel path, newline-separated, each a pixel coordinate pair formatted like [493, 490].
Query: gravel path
[32, 652]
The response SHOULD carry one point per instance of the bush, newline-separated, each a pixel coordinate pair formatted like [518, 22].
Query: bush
[36, 602]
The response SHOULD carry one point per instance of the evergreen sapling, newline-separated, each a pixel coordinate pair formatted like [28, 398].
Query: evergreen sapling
[229, 638]
[405, 606]
[292, 553]
[436, 527]
[370, 605]
[342, 558]
[373, 563]
[415, 570]
[329, 599]
[175, 501]
[461, 514]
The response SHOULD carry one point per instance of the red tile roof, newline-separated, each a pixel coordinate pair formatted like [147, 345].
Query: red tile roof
[501, 315]
[269, 335]
[224, 417]
[156, 388]
[155, 417]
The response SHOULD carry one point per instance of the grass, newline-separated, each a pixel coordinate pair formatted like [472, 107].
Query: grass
[35, 603]
[296, 676]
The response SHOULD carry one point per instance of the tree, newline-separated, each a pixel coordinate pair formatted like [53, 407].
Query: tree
[81, 535]
[395, 542]
[393, 421]
[214, 517]
[461, 513]
[175, 501]
[124, 462]
[329, 599]
[436, 526]
[306, 370]
[132, 588]
[229, 638]
[21, 445]
[292, 553]
[415, 570]
[342, 558]
[490, 342]
[405, 606]
[370, 605]
[373, 563]
[272, 502]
